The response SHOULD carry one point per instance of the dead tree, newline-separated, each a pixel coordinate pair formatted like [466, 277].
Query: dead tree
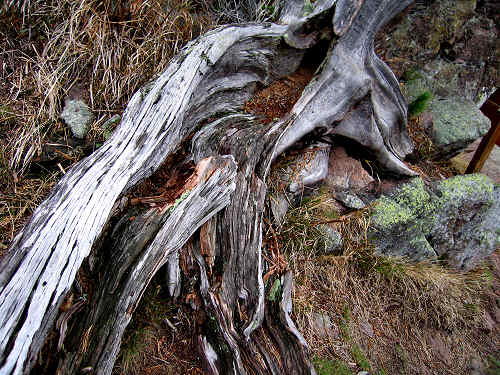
[193, 113]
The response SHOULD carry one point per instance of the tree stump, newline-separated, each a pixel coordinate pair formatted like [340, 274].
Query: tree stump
[191, 116]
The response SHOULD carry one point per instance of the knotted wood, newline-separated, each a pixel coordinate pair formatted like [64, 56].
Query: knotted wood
[217, 217]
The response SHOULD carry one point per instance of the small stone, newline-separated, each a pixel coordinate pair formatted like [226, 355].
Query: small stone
[333, 239]
[440, 349]
[314, 167]
[350, 200]
[112, 121]
[475, 364]
[426, 120]
[363, 373]
[488, 322]
[107, 127]
[76, 114]
[345, 172]
[323, 326]
[366, 328]
[279, 206]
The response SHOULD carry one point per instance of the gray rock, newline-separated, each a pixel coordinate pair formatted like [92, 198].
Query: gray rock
[333, 239]
[76, 114]
[313, 167]
[449, 28]
[279, 206]
[112, 121]
[453, 122]
[366, 328]
[476, 367]
[350, 200]
[456, 219]
[323, 326]
[107, 127]
[456, 124]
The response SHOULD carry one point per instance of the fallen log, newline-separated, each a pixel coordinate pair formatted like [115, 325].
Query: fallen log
[216, 217]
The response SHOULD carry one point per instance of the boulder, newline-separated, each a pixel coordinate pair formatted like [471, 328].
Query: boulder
[456, 41]
[454, 219]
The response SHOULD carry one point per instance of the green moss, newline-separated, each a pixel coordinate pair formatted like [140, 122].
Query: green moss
[275, 291]
[329, 367]
[494, 366]
[420, 104]
[179, 200]
[389, 269]
[360, 358]
[344, 324]
[403, 357]
[411, 75]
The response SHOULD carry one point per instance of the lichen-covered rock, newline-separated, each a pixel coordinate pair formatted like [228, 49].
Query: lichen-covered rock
[76, 114]
[457, 123]
[456, 219]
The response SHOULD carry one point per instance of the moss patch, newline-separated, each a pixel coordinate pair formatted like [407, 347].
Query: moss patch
[420, 104]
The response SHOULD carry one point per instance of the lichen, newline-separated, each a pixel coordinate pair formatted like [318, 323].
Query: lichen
[388, 213]
[408, 203]
[459, 187]
[180, 199]
[414, 197]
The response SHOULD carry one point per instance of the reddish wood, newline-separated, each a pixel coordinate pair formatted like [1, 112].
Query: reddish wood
[491, 110]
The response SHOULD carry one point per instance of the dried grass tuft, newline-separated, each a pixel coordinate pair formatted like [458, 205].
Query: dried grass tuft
[106, 48]
[100, 51]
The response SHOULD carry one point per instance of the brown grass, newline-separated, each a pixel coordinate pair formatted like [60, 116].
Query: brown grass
[421, 318]
[101, 50]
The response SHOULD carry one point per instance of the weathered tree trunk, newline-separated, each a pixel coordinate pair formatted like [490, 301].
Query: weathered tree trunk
[216, 217]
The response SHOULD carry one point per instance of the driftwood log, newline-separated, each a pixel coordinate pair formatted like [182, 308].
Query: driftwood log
[194, 109]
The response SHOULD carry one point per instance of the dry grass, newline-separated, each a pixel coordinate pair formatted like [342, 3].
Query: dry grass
[101, 51]
[107, 50]
[387, 315]
[229, 11]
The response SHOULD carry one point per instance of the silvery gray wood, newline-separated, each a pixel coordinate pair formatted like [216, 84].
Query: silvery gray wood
[198, 97]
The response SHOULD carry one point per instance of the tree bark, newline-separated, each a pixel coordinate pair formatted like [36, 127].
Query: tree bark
[216, 217]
